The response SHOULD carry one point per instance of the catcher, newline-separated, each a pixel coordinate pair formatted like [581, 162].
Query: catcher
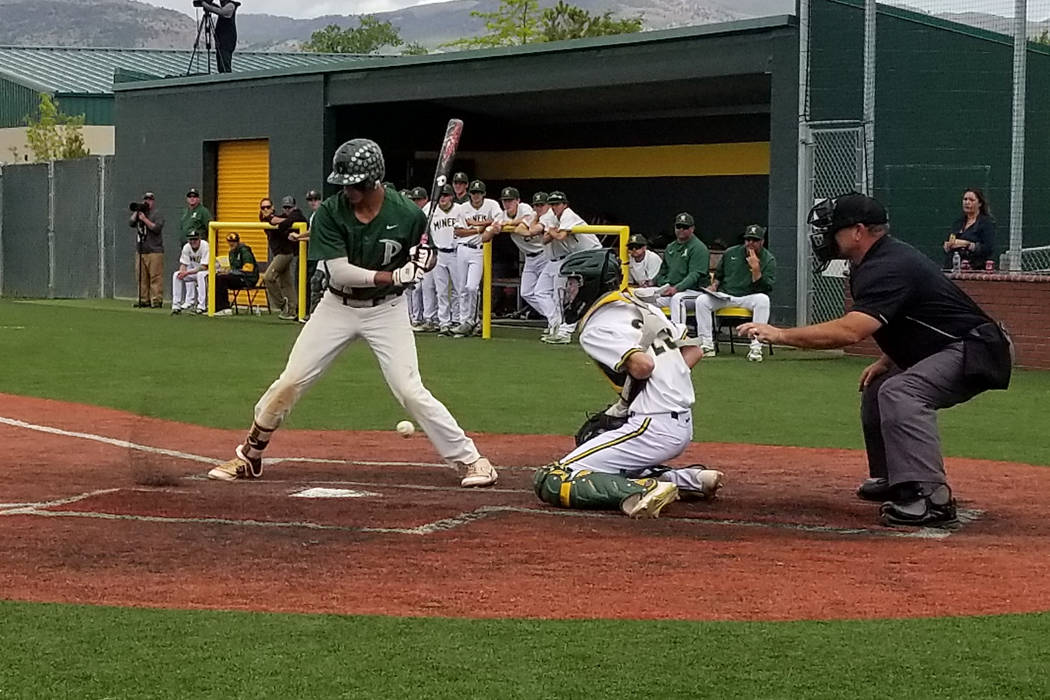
[648, 359]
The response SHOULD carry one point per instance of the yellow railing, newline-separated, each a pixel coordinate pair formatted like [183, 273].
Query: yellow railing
[624, 232]
[217, 226]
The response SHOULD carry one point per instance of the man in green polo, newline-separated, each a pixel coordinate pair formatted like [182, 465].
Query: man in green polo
[683, 272]
[744, 277]
[195, 217]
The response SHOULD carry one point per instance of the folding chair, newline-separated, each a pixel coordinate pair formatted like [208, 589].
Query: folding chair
[730, 317]
[251, 293]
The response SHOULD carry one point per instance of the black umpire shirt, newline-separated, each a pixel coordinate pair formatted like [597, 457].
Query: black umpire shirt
[921, 310]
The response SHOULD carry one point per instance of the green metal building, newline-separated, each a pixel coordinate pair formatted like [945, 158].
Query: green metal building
[634, 128]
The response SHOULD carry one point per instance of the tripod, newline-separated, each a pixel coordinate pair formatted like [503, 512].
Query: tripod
[206, 26]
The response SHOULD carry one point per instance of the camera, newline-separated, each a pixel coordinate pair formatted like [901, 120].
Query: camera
[139, 206]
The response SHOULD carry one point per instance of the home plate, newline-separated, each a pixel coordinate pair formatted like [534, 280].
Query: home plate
[333, 493]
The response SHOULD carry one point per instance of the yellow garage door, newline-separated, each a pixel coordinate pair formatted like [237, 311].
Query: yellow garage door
[244, 179]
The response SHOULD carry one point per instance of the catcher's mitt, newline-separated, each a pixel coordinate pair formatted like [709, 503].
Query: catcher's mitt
[596, 424]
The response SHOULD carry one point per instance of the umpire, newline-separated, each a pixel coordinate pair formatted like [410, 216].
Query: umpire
[938, 347]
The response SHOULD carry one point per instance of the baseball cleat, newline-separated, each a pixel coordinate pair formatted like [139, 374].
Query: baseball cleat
[649, 504]
[445, 330]
[479, 473]
[462, 330]
[920, 505]
[240, 467]
[558, 339]
[754, 355]
[708, 350]
[875, 489]
[710, 483]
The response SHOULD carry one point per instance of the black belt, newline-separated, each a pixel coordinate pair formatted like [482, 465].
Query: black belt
[475, 246]
[532, 255]
[674, 414]
[446, 250]
[349, 297]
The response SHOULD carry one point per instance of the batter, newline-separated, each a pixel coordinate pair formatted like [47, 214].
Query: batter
[367, 238]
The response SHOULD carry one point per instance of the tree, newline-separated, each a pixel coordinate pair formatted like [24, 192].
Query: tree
[414, 49]
[1043, 39]
[53, 135]
[369, 36]
[514, 22]
[564, 21]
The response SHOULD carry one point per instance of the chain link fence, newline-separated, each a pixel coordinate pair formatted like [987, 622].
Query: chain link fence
[1036, 261]
[836, 155]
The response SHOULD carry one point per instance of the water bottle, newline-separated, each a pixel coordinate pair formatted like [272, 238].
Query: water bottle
[956, 262]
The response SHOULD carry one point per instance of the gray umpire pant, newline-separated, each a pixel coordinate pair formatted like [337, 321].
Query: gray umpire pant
[898, 415]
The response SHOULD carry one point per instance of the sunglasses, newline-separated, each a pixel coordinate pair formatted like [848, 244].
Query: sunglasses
[681, 226]
[286, 206]
[267, 206]
[633, 247]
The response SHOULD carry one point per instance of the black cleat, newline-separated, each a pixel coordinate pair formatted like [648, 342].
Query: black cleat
[876, 489]
[921, 505]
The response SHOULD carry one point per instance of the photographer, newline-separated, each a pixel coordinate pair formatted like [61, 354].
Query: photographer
[149, 252]
[195, 217]
[225, 30]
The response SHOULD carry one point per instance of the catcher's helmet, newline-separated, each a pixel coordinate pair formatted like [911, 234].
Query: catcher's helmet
[357, 161]
[831, 215]
[589, 275]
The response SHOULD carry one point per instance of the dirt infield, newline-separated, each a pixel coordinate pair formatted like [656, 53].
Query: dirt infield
[787, 540]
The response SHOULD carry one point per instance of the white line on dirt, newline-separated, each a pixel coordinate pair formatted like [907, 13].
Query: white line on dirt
[109, 441]
[471, 516]
[32, 508]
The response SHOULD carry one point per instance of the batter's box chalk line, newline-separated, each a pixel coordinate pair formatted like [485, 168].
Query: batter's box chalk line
[965, 516]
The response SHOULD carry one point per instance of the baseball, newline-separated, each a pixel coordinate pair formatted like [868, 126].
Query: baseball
[405, 428]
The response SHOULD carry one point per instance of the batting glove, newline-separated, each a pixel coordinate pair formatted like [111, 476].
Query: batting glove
[407, 275]
[423, 256]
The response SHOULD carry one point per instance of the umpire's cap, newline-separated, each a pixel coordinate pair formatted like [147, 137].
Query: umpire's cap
[557, 197]
[846, 210]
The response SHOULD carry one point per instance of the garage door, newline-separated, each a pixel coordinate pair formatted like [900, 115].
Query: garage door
[244, 179]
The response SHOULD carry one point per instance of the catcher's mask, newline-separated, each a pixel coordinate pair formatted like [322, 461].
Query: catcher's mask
[358, 162]
[832, 215]
[589, 275]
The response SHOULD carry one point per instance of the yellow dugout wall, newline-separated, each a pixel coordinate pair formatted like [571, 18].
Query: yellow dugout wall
[243, 178]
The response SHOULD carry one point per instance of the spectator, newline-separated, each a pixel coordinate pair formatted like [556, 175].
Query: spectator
[683, 272]
[149, 253]
[195, 217]
[473, 217]
[972, 235]
[643, 264]
[185, 290]
[280, 289]
[243, 273]
[744, 277]
[459, 188]
[314, 274]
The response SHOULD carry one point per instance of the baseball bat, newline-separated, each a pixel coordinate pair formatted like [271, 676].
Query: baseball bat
[444, 163]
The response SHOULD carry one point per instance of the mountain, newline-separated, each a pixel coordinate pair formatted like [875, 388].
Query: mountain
[109, 23]
[133, 24]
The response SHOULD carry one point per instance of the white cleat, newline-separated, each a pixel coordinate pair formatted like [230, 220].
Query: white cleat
[754, 355]
[710, 482]
[651, 502]
[240, 467]
[479, 473]
[708, 350]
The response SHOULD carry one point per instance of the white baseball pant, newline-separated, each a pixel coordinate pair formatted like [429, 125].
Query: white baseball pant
[445, 289]
[529, 287]
[202, 290]
[643, 442]
[758, 304]
[414, 299]
[183, 290]
[331, 328]
[547, 294]
[469, 264]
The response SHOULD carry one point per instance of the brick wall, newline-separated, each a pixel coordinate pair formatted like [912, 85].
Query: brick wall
[1022, 302]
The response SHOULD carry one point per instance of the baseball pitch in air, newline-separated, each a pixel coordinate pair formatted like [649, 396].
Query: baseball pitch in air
[405, 428]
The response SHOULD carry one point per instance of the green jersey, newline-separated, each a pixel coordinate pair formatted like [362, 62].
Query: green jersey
[685, 265]
[242, 260]
[734, 274]
[381, 244]
[196, 219]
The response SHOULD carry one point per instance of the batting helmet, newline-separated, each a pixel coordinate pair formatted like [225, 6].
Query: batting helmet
[590, 274]
[357, 161]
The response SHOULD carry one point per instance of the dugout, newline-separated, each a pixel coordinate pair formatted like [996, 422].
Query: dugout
[633, 128]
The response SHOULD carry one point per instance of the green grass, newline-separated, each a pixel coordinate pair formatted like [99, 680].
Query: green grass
[212, 371]
[126, 653]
